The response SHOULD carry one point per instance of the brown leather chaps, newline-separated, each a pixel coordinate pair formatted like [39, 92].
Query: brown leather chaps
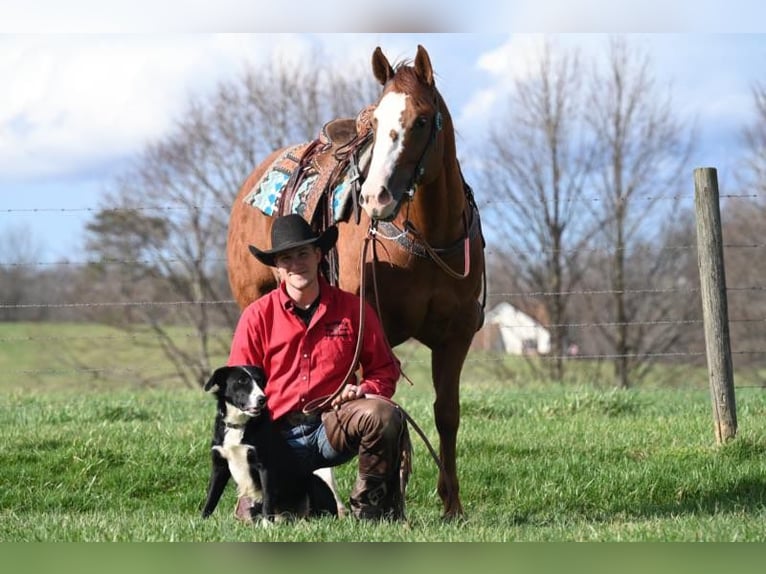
[376, 430]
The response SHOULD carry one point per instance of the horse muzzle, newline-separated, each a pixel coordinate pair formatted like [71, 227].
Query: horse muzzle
[383, 205]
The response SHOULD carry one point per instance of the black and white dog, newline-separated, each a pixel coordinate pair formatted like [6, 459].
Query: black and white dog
[247, 447]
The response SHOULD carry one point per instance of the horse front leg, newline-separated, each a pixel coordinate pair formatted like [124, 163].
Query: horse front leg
[446, 365]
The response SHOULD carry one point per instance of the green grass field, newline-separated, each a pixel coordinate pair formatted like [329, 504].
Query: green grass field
[537, 463]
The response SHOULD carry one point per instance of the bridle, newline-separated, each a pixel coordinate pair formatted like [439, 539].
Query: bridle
[420, 170]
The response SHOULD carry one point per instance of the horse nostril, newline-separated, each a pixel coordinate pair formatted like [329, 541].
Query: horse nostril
[385, 196]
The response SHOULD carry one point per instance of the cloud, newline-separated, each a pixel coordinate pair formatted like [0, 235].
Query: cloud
[708, 76]
[551, 16]
[77, 100]
[174, 16]
[509, 62]
[74, 102]
[142, 16]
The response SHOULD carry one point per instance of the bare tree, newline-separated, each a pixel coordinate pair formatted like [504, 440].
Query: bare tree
[164, 223]
[753, 173]
[538, 160]
[19, 252]
[643, 153]
[744, 218]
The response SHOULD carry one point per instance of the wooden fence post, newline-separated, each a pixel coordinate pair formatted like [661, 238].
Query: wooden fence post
[715, 314]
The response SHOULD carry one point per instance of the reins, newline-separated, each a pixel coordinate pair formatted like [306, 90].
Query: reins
[415, 426]
[321, 403]
[410, 228]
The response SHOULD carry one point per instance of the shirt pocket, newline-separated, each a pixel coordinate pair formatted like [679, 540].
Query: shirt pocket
[339, 338]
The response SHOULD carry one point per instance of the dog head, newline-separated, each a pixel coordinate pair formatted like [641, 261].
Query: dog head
[240, 390]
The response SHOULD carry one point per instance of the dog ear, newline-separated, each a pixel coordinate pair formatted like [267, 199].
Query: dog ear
[217, 379]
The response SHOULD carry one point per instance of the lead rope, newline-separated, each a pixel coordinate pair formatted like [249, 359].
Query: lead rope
[373, 233]
[414, 425]
[319, 404]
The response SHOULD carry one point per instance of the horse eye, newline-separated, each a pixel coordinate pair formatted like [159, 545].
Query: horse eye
[421, 122]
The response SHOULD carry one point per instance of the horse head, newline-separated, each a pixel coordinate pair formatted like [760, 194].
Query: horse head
[408, 126]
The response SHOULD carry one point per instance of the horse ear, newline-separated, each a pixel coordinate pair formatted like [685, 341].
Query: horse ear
[423, 66]
[380, 67]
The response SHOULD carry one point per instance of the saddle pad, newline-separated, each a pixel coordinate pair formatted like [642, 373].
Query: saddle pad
[267, 191]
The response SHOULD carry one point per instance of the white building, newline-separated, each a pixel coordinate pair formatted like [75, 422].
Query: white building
[509, 329]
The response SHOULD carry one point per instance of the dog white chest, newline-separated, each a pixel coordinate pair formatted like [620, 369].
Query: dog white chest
[235, 454]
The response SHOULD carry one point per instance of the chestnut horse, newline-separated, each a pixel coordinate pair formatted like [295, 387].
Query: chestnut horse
[428, 248]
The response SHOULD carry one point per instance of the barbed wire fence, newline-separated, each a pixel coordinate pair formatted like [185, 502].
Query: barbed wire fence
[482, 362]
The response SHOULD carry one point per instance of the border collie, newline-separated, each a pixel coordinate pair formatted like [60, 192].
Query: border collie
[248, 448]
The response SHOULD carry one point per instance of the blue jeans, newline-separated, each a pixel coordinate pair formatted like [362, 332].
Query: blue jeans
[310, 445]
[370, 428]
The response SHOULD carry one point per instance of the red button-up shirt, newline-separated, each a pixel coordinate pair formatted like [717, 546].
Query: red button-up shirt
[304, 363]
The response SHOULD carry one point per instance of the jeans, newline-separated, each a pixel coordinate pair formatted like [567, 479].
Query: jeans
[310, 445]
[375, 431]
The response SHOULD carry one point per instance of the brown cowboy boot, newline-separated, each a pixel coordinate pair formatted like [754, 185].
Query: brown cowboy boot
[375, 498]
[383, 498]
[367, 498]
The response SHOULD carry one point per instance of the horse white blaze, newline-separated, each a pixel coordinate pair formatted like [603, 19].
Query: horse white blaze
[387, 147]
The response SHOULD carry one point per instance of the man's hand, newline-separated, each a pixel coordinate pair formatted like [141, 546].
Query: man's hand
[349, 393]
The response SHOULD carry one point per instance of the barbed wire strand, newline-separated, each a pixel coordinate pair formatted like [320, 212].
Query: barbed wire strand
[493, 295]
[197, 207]
[112, 261]
[229, 332]
[405, 362]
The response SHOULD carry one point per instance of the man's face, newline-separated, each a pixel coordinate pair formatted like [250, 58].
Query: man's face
[299, 267]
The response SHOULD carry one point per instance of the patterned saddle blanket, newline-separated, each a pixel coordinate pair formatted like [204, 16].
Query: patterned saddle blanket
[323, 173]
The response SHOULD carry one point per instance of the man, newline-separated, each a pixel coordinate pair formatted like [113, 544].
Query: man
[304, 335]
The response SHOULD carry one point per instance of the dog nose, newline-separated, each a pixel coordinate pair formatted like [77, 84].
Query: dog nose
[261, 400]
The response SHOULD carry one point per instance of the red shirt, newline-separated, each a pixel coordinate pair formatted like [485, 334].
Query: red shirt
[304, 363]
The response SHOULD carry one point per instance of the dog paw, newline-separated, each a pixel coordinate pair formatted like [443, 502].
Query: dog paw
[264, 522]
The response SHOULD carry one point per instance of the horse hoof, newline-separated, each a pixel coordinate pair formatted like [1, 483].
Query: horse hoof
[454, 515]
[455, 519]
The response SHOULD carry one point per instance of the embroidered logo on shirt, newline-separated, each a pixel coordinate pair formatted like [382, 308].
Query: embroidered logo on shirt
[337, 329]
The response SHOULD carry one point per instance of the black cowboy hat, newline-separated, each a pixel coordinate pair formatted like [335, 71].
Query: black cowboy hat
[291, 231]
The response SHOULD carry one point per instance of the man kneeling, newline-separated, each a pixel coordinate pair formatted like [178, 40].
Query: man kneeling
[304, 336]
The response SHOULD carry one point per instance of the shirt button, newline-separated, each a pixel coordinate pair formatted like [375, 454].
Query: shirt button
[304, 377]
[305, 355]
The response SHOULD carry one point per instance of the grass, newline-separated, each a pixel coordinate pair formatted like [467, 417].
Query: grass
[101, 461]
[78, 356]
[538, 465]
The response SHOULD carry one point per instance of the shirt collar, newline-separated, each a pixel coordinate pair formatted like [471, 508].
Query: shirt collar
[288, 304]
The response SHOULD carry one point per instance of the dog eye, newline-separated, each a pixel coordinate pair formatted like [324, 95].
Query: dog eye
[241, 383]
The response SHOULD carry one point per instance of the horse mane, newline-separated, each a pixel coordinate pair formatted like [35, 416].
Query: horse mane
[405, 79]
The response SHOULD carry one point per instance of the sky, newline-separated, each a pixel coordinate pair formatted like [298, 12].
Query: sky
[84, 88]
